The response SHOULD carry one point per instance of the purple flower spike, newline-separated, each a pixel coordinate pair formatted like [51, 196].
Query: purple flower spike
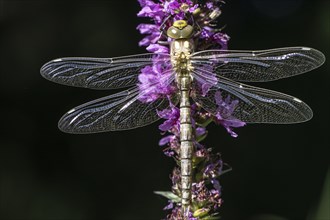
[155, 82]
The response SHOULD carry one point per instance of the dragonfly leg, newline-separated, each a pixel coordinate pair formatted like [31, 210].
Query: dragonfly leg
[164, 43]
[162, 30]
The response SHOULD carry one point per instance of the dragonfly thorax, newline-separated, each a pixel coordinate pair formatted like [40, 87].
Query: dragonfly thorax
[181, 51]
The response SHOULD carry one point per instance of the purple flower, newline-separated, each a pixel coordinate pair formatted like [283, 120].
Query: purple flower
[154, 83]
[202, 152]
[172, 116]
[209, 5]
[207, 32]
[152, 31]
[165, 140]
[179, 8]
[224, 116]
[205, 197]
[172, 7]
[193, 8]
[215, 38]
[216, 185]
[200, 131]
[176, 178]
[173, 142]
[206, 79]
[156, 48]
[221, 39]
[177, 215]
[206, 86]
[213, 169]
[147, 28]
[152, 10]
[169, 206]
[144, 2]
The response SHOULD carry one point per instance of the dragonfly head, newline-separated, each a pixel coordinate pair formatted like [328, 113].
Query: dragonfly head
[180, 30]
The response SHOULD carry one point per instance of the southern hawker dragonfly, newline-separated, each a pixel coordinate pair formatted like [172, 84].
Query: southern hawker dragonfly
[187, 72]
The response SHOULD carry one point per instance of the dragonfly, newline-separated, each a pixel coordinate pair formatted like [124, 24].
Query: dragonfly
[187, 70]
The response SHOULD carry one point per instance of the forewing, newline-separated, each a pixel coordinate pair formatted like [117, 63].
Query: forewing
[120, 111]
[100, 73]
[255, 105]
[259, 66]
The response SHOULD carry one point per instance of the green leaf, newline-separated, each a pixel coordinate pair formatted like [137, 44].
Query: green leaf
[169, 195]
[226, 171]
[205, 123]
[202, 137]
[214, 216]
[201, 212]
[211, 218]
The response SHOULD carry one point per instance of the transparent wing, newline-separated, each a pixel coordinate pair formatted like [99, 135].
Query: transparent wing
[100, 73]
[255, 105]
[120, 111]
[259, 66]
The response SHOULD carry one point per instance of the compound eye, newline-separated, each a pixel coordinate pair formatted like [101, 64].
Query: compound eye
[176, 33]
[173, 32]
[187, 31]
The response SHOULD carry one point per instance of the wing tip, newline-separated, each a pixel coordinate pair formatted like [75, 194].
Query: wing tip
[67, 124]
[45, 69]
[63, 125]
[320, 57]
[308, 114]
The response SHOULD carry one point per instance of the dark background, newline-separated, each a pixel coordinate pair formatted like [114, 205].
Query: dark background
[278, 170]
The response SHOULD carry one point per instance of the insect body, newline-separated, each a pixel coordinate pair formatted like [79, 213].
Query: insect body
[181, 48]
[222, 70]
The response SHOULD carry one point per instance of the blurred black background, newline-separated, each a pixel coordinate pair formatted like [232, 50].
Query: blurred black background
[279, 171]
